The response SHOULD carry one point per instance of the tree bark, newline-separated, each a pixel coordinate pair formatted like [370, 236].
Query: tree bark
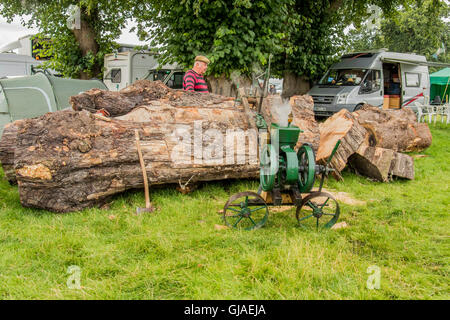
[87, 40]
[8, 143]
[67, 160]
[294, 85]
[394, 129]
[381, 164]
[341, 126]
[140, 93]
[227, 87]
[371, 141]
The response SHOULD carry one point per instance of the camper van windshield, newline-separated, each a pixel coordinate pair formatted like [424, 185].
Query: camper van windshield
[343, 77]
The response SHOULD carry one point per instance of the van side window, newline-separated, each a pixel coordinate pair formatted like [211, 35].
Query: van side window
[412, 79]
[116, 75]
[372, 82]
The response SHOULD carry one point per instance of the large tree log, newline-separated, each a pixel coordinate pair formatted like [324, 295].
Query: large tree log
[341, 126]
[371, 138]
[381, 164]
[7, 146]
[394, 129]
[67, 161]
[140, 93]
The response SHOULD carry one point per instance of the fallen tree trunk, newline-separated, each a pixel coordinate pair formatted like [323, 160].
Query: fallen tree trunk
[370, 141]
[67, 161]
[381, 164]
[141, 93]
[397, 130]
[8, 143]
[341, 126]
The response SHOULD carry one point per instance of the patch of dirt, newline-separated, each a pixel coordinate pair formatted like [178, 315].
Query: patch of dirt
[345, 198]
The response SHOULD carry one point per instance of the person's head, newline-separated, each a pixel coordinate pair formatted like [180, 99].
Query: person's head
[200, 64]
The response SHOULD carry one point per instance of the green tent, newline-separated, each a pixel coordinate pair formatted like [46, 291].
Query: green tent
[33, 96]
[440, 84]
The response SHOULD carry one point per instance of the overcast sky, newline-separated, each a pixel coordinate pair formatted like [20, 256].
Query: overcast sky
[12, 31]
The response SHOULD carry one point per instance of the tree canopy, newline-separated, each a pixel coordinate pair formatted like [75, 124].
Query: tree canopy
[76, 52]
[422, 28]
[303, 36]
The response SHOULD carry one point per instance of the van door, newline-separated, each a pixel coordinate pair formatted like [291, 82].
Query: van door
[413, 82]
[371, 90]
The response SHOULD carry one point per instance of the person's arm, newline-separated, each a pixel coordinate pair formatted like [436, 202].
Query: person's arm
[188, 82]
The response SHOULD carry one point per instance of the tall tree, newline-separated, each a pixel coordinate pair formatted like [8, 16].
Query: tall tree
[303, 36]
[77, 48]
[422, 28]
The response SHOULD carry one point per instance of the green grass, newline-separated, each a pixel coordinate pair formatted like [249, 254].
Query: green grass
[177, 253]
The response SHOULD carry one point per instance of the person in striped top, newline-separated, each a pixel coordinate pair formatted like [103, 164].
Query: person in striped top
[193, 79]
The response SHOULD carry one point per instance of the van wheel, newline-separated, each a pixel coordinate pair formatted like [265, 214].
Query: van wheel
[359, 106]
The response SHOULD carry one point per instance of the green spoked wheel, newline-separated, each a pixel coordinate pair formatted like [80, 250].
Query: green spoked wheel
[268, 167]
[245, 210]
[318, 210]
[307, 168]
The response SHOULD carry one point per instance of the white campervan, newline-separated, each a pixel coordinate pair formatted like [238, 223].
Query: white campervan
[385, 79]
[124, 68]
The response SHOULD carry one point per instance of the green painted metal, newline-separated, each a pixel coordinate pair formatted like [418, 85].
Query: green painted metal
[260, 122]
[284, 172]
[336, 146]
[307, 163]
[291, 165]
[245, 210]
[322, 207]
[284, 135]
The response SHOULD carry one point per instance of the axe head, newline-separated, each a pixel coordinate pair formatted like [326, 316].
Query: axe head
[144, 210]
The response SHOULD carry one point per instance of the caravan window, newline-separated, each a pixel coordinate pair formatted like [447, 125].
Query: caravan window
[343, 77]
[412, 79]
[116, 75]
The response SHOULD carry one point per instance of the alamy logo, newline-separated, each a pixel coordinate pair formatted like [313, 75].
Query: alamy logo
[213, 146]
[373, 281]
[74, 280]
[374, 21]
[74, 20]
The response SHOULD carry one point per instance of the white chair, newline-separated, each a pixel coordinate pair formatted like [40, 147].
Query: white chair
[421, 111]
[444, 111]
[431, 112]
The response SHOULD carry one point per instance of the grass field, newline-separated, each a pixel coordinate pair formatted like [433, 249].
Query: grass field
[177, 253]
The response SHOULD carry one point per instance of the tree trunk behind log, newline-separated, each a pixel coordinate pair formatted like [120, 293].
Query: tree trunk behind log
[394, 129]
[67, 161]
[294, 85]
[303, 117]
[227, 87]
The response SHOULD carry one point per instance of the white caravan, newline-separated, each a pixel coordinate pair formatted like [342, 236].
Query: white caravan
[389, 80]
[12, 65]
[124, 68]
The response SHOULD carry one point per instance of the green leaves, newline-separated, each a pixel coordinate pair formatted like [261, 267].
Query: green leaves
[421, 28]
[104, 18]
